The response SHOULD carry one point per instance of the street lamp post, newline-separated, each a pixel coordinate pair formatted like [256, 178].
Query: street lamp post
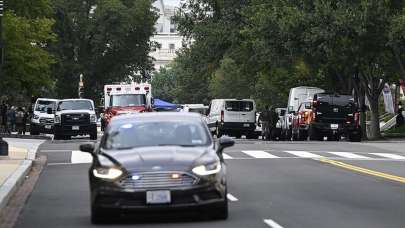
[3, 144]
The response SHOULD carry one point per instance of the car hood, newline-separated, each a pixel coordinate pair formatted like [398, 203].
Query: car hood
[75, 111]
[163, 158]
[44, 115]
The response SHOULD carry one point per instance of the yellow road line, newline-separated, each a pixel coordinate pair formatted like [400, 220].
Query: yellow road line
[363, 170]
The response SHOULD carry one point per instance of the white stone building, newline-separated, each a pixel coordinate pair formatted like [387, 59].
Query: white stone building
[166, 33]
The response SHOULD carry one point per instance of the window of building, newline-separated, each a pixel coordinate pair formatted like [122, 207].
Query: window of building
[172, 48]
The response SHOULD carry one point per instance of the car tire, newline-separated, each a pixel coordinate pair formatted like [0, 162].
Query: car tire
[355, 137]
[314, 134]
[221, 212]
[99, 216]
[34, 132]
[93, 136]
[238, 136]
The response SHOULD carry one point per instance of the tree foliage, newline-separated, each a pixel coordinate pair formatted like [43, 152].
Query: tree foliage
[27, 36]
[104, 40]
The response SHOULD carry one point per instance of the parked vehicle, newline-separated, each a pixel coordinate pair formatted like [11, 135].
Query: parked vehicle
[43, 116]
[197, 108]
[75, 117]
[301, 121]
[163, 162]
[334, 116]
[296, 97]
[123, 99]
[233, 117]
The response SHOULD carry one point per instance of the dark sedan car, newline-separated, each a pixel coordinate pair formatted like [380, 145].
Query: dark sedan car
[157, 162]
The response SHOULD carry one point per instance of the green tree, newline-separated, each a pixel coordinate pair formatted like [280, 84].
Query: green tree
[164, 84]
[104, 40]
[27, 35]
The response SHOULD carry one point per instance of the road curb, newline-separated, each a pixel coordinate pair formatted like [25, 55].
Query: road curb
[12, 183]
[44, 137]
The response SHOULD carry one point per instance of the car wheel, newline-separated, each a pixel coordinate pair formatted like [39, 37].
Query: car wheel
[93, 136]
[99, 216]
[34, 132]
[238, 136]
[355, 137]
[314, 134]
[221, 212]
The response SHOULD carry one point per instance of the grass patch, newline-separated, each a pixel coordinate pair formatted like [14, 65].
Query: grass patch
[396, 130]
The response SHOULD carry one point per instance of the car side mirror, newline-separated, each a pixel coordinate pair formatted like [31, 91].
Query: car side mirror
[87, 147]
[225, 142]
[49, 111]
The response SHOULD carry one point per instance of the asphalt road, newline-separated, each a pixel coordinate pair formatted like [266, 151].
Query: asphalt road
[272, 184]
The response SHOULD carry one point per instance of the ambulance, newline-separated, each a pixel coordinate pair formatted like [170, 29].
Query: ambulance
[121, 99]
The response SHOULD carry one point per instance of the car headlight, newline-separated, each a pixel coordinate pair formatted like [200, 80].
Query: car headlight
[93, 118]
[57, 119]
[36, 117]
[107, 173]
[204, 170]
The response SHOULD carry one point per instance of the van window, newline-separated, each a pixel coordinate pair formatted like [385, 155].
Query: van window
[239, 106]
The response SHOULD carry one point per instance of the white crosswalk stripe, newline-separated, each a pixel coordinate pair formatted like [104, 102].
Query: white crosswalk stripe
[227, 156]
[387, 155]
[303, 154]
[259, 154]
[80, 157]
[348, 155]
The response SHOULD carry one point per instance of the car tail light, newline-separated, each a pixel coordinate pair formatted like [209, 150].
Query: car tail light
[222, 116]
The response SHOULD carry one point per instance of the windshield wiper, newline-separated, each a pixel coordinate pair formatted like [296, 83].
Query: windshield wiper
[185, 145]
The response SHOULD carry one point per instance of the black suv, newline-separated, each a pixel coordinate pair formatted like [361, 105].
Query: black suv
[333, 116]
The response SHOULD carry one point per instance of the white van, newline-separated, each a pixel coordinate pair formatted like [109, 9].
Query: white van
[297, 96]
[233, 117]
[42, 121]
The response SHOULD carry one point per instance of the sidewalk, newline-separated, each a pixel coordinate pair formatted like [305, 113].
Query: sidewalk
[15, 167]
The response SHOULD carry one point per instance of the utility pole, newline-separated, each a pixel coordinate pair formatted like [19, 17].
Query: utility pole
[3, 144]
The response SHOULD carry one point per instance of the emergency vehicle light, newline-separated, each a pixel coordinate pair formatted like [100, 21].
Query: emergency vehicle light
[109, 89]
[146, 88]
[137, 88]
[118, 89]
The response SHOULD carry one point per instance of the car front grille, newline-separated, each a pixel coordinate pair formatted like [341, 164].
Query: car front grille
[158, 180]
[76, 119]
[46, 120]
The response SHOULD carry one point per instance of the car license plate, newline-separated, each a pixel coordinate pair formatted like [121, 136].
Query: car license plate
[75, 128]
[158, 197]
[246, 125]
[48, 126]
[334, 126]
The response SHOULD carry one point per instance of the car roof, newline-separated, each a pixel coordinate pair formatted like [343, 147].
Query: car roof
[46, 99]
[76, 99]
[150, 116]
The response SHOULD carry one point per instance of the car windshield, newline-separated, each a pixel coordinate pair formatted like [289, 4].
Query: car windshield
[156, 133]
[239, 106]
[75, 105]
[42, 105]
[126, 100]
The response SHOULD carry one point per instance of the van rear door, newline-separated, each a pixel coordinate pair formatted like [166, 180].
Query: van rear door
[240, 111]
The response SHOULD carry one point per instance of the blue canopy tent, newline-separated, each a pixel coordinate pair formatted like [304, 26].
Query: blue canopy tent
[162, 105]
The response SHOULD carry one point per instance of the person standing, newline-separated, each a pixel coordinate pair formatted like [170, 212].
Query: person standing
[25, 119]
[19, 120]
[12, 118]
[264, 118]
[400, 117]
[273, 119]
[4, 116]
